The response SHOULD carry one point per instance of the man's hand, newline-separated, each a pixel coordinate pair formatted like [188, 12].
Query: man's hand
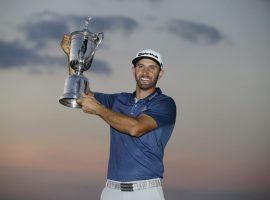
[65, 44]
[89, 103]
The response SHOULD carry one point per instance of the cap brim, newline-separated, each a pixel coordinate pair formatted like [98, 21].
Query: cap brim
[135, 60]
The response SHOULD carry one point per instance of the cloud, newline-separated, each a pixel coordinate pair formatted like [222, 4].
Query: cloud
[100, 67]
[45, 29]
[15, 55]
[42, 31]
[154, 1]
[46, 26]
[194, 32]
[106, 24]
[150, 1]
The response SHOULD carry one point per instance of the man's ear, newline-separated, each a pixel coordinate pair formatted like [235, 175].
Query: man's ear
[133, 70]
[161, 72]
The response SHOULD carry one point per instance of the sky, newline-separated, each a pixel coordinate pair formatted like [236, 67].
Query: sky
[216, 61]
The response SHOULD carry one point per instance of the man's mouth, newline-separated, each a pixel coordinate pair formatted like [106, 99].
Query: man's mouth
[145, 79]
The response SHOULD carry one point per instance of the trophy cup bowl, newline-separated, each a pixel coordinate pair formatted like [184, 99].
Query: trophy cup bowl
[83, 45]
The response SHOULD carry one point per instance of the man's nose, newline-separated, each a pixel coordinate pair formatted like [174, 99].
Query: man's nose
[145, 70]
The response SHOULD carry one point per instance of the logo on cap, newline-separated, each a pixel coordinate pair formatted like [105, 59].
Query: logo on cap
[148, 53]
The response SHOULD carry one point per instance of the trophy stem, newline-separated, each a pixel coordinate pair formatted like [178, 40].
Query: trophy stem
[79, 70]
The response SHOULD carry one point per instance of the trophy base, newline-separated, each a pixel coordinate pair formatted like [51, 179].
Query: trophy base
[75, 85]
[69, 101]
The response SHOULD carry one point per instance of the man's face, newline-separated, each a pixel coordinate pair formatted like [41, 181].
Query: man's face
[147, 72]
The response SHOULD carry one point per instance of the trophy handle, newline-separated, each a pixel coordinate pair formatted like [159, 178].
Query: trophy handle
[65, 44]
[100, 37]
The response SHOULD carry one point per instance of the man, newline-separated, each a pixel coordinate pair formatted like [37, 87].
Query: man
[141, 124]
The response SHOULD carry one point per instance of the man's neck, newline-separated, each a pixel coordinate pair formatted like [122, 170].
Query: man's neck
[141, 94]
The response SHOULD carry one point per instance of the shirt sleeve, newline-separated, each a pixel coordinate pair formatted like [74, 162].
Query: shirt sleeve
[162, 111]
[105, 99]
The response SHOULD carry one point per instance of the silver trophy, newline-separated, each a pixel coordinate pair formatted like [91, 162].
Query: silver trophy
[83, 45]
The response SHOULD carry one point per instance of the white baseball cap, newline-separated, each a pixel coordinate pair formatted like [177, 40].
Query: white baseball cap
[148, 53]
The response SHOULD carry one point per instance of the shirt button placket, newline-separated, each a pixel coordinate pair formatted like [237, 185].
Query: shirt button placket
[133, 109]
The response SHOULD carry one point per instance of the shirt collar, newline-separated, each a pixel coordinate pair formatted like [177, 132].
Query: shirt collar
[149, 97]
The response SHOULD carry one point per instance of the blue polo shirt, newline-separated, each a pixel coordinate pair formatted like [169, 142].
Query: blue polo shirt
[139, 158]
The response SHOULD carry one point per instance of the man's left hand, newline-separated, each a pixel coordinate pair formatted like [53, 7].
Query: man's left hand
[89, 103]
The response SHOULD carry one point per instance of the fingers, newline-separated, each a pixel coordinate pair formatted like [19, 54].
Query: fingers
[83, 95]
[65, 39]
[84, 109]
[87, 95]
[79, 101]
[65, 43]
[89, 92]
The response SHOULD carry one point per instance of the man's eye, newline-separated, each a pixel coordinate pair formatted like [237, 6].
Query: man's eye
[153, 67]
